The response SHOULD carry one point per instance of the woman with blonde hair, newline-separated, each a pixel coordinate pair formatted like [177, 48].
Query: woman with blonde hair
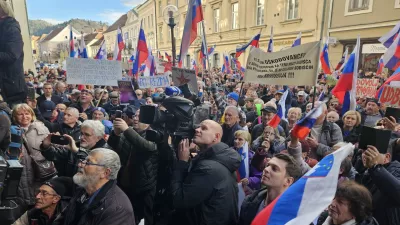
[36, 168]
[351, 126]
[12, 81]
[294, 115]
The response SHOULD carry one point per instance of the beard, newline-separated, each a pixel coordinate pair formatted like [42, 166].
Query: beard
[83, 180]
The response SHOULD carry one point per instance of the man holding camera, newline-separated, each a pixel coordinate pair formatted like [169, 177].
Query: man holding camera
[139, 159]
[204, 190]
[66, 157]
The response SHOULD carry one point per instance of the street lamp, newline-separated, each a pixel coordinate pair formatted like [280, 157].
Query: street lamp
[170, 13]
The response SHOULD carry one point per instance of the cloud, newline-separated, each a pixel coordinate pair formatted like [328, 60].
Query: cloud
[130, 3]
[52, 21]
[110, 15]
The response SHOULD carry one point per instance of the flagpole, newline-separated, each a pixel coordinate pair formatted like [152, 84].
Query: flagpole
[205, 43]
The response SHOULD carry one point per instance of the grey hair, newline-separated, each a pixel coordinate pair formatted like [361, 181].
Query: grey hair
[97, 126]
[59, 83]
[234, 108]
[109, 159]
[74, 111]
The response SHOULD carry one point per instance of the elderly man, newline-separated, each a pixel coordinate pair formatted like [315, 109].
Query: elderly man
[60, 88]
[138, 177]
[371, 115]
[99, 201]
[267, 113]
[48, 205]
[113, 104]
[66, 158]
[231, 125]
[204, 191]
[84, 105]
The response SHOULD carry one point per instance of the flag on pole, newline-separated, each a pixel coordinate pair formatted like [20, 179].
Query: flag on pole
[83, 51]
[381, 65]
[150, 67]
[297, 41]
[159, 55]
[303, 127]
[395, 77]
[194, 67]
[72, 52]
[211, 49]
[119, 45]
[274, 122]
[169, 59]
[309, 196]
[388, 39]
[324, 58]
[253, 42]
[203, 53]
[243, 170]
[391, 58]
[271, 41]
[342, 60]
[226, 67]
[102, 53]
[142, 52]
[194, 15]
[345, 89]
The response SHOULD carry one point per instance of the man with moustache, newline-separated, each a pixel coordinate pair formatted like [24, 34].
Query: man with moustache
[99, 201]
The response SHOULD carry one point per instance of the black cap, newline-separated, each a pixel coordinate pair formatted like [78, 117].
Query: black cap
[269, 109]
[374, 100]
[59, 184]
[46, 108]
[130, 110]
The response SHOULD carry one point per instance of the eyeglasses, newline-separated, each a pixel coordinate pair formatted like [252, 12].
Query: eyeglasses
[44, 193]
[87, 163]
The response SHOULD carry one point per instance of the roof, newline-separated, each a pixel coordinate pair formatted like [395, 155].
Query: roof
[35, 38]
[119, 23]
[98, 42]
[89, 37]
[53, 33]
[43, 36]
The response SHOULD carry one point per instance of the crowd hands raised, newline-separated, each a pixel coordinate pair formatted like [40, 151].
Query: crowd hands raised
[103, 170]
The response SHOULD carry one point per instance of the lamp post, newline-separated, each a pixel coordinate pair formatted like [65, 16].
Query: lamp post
[171, 24]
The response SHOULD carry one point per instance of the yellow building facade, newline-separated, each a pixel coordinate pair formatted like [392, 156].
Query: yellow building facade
[230, 23]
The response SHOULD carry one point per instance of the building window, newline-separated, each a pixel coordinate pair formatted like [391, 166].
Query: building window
[144, 22]
[216, 20]
[354, 7]
[148, 21]
[159, 8]
[260, 12]
[161, 33]
[187, 61]
[231, 56]
[199, 29]
[216, 60]
[235, 15]
[152, 21]
[292, 9]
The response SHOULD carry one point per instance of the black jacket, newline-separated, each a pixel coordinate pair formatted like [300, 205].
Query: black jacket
[205, 192]
[250, 205]
[139, 160]
[110, 108]
[65, 161]
[384, 184]
[110, 206]
[54, 98]
[12, 83]
[88, 111]
[5, 124]
[43, 219]
[228, 136]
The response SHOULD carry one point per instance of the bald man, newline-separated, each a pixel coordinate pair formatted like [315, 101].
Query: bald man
[204, 188]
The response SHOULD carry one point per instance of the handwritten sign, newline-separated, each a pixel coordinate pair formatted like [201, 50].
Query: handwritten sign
[127, 92]
[390, 96]
[367, 87]
[93, 71]
[294, 66]
[184, 76]
[153, 81]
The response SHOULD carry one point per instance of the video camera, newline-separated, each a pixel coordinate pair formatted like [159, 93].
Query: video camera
[10, 175]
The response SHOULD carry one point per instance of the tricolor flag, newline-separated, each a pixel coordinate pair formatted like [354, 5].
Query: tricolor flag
[321, 97]
[388, 39]
[297, 41]
[391, 58]
[194, 67]
[380, 66]
[132, 58]
[243, 171]
[274, 122]
[271, 41]
[142, 52]
[303, 127]
[395, 77]
[82, 49]
[159, 55]
[203, 54]
[194, 15]
[324, 58]
[72, 52]
[309, 196]
[345, 89]
[211, 49]
[226, 67]
[119, 45]
[102, 53]
[169, 59]
[342, 60]
[150, 67]
[253, 42]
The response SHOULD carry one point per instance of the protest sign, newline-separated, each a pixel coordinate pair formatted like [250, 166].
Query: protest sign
[184, 76]
[127, 92]
[367, 87]
[294, 66]
[395, 83]
[390, 96]
[153, 81]
[93, 71]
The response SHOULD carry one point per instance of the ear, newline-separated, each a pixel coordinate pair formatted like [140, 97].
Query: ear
[218, 136]
[289, 181]
[56, 199]
[107, 173]
[387, 158]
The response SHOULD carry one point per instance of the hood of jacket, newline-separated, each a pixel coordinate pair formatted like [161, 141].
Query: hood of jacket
[4, 106]
[223, 154]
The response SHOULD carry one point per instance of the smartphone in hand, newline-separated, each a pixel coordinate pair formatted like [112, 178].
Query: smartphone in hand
[118, 114]
[59, 140]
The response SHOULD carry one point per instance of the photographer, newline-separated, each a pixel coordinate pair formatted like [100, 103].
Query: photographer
[66, 158]
[139, 159]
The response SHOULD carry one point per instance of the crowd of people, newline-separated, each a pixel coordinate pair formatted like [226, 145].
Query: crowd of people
[87, 159]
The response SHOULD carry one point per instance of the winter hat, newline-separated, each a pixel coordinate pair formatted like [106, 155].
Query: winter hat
[99, 109]
[234, 96]
[58, 184]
